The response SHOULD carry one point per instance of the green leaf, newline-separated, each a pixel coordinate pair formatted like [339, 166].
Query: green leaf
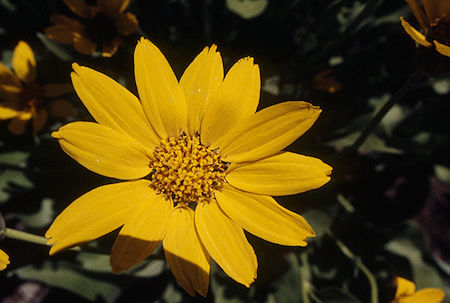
[16, 158]
[247, 9]
[288, 286]
[9, 177]
[60, 274]
[40, 219]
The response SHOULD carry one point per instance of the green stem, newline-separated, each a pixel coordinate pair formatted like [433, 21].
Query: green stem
[372, 281]
[304, 272]
[411, 82]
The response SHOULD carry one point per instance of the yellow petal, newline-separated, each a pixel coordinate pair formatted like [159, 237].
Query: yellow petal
[200, 79]
[404, 287]
[264, 217]
[140, 236]
[84, 45]
[161, 95]
[442, 48]
[226, 243]
[113, 8]
[110, 48]
[113, 105]
[103, 150]
[8, 78]
[97, 213]
[53, 90]
[427, 295]
[79, 7]
[60, 33]
[418, 13]
[61, 108]
[283, 174]
[4, 260]
[126, 24]
[8, 112]
[415, 34]
[234, 101]
[23, 62]
[269, 131]
[187, 258]
[39, 120]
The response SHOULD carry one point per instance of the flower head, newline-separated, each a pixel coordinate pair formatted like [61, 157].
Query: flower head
[22, 99]
[4, 260]
[100, 27]
[434, 19]
[199, 166]
[406, 293]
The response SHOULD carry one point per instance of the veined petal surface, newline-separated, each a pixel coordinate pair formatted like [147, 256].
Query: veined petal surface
[103, 150]
[97, 213]
[187, 258]
[161, 95]
[145, 230]
[264, 217]
[269, 131]
[234, 101]
[200, 79]
[23, 62]
[113, 105]
[226, 243]
[283, 174]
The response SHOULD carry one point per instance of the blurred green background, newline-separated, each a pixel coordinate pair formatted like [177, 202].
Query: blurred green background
[386, 207]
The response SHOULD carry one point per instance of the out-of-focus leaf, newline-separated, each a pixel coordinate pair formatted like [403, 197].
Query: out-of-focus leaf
[442, 173]
[8, 5]
[9, 177]
[60, 274]
[40, 219]
[16, 158]
[247, 9]
[372, 144]
[320, 219]
[441, 86]
[94, 262]
[55, 48]
[410, 246]
[171, 295]
[288, 286]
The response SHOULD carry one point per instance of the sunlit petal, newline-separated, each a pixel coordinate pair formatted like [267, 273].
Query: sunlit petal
[226, 243]
[23, 62]
[415, 34]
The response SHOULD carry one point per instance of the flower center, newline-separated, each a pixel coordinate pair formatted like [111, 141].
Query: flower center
[31, 98]
[101, 28]
[186, 171]
[440, 30]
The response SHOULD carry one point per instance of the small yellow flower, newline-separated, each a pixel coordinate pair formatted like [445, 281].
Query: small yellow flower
[101, 26]
[434, 19]
[22, 99]
[406, 293]
[200, 167]
[4, 260]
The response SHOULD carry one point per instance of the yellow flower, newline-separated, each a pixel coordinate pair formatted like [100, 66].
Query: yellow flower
[101, 26]
[434, 19]
[200, 166]
[4, 260]
[22, 99]
[406, 293]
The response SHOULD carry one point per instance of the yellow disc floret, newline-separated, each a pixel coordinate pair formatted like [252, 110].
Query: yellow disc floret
[186, 171]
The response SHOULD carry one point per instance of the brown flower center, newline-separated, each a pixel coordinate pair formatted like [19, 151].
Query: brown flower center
[186, 171]
[440, 30]
[101, 28]
[31, 98]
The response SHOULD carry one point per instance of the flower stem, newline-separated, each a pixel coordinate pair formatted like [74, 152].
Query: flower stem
[372, 281]
[304, 273]
[411, 82]
[24, 236]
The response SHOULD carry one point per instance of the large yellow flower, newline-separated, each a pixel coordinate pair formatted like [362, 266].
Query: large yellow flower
[4, 260]
[22, 99]
[201, 166]
[406, 293]
[434, 19]
[101, 26]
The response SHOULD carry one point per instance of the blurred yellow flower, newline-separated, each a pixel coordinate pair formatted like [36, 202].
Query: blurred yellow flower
[434, 19]
[101, 26]
[200, 166]
[22, 99]
[4, 260]
[406, 293]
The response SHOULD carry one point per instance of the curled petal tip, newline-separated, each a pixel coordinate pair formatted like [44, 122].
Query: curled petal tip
[56, 135]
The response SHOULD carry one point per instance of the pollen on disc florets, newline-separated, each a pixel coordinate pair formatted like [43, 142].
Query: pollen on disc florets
[186, 171]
